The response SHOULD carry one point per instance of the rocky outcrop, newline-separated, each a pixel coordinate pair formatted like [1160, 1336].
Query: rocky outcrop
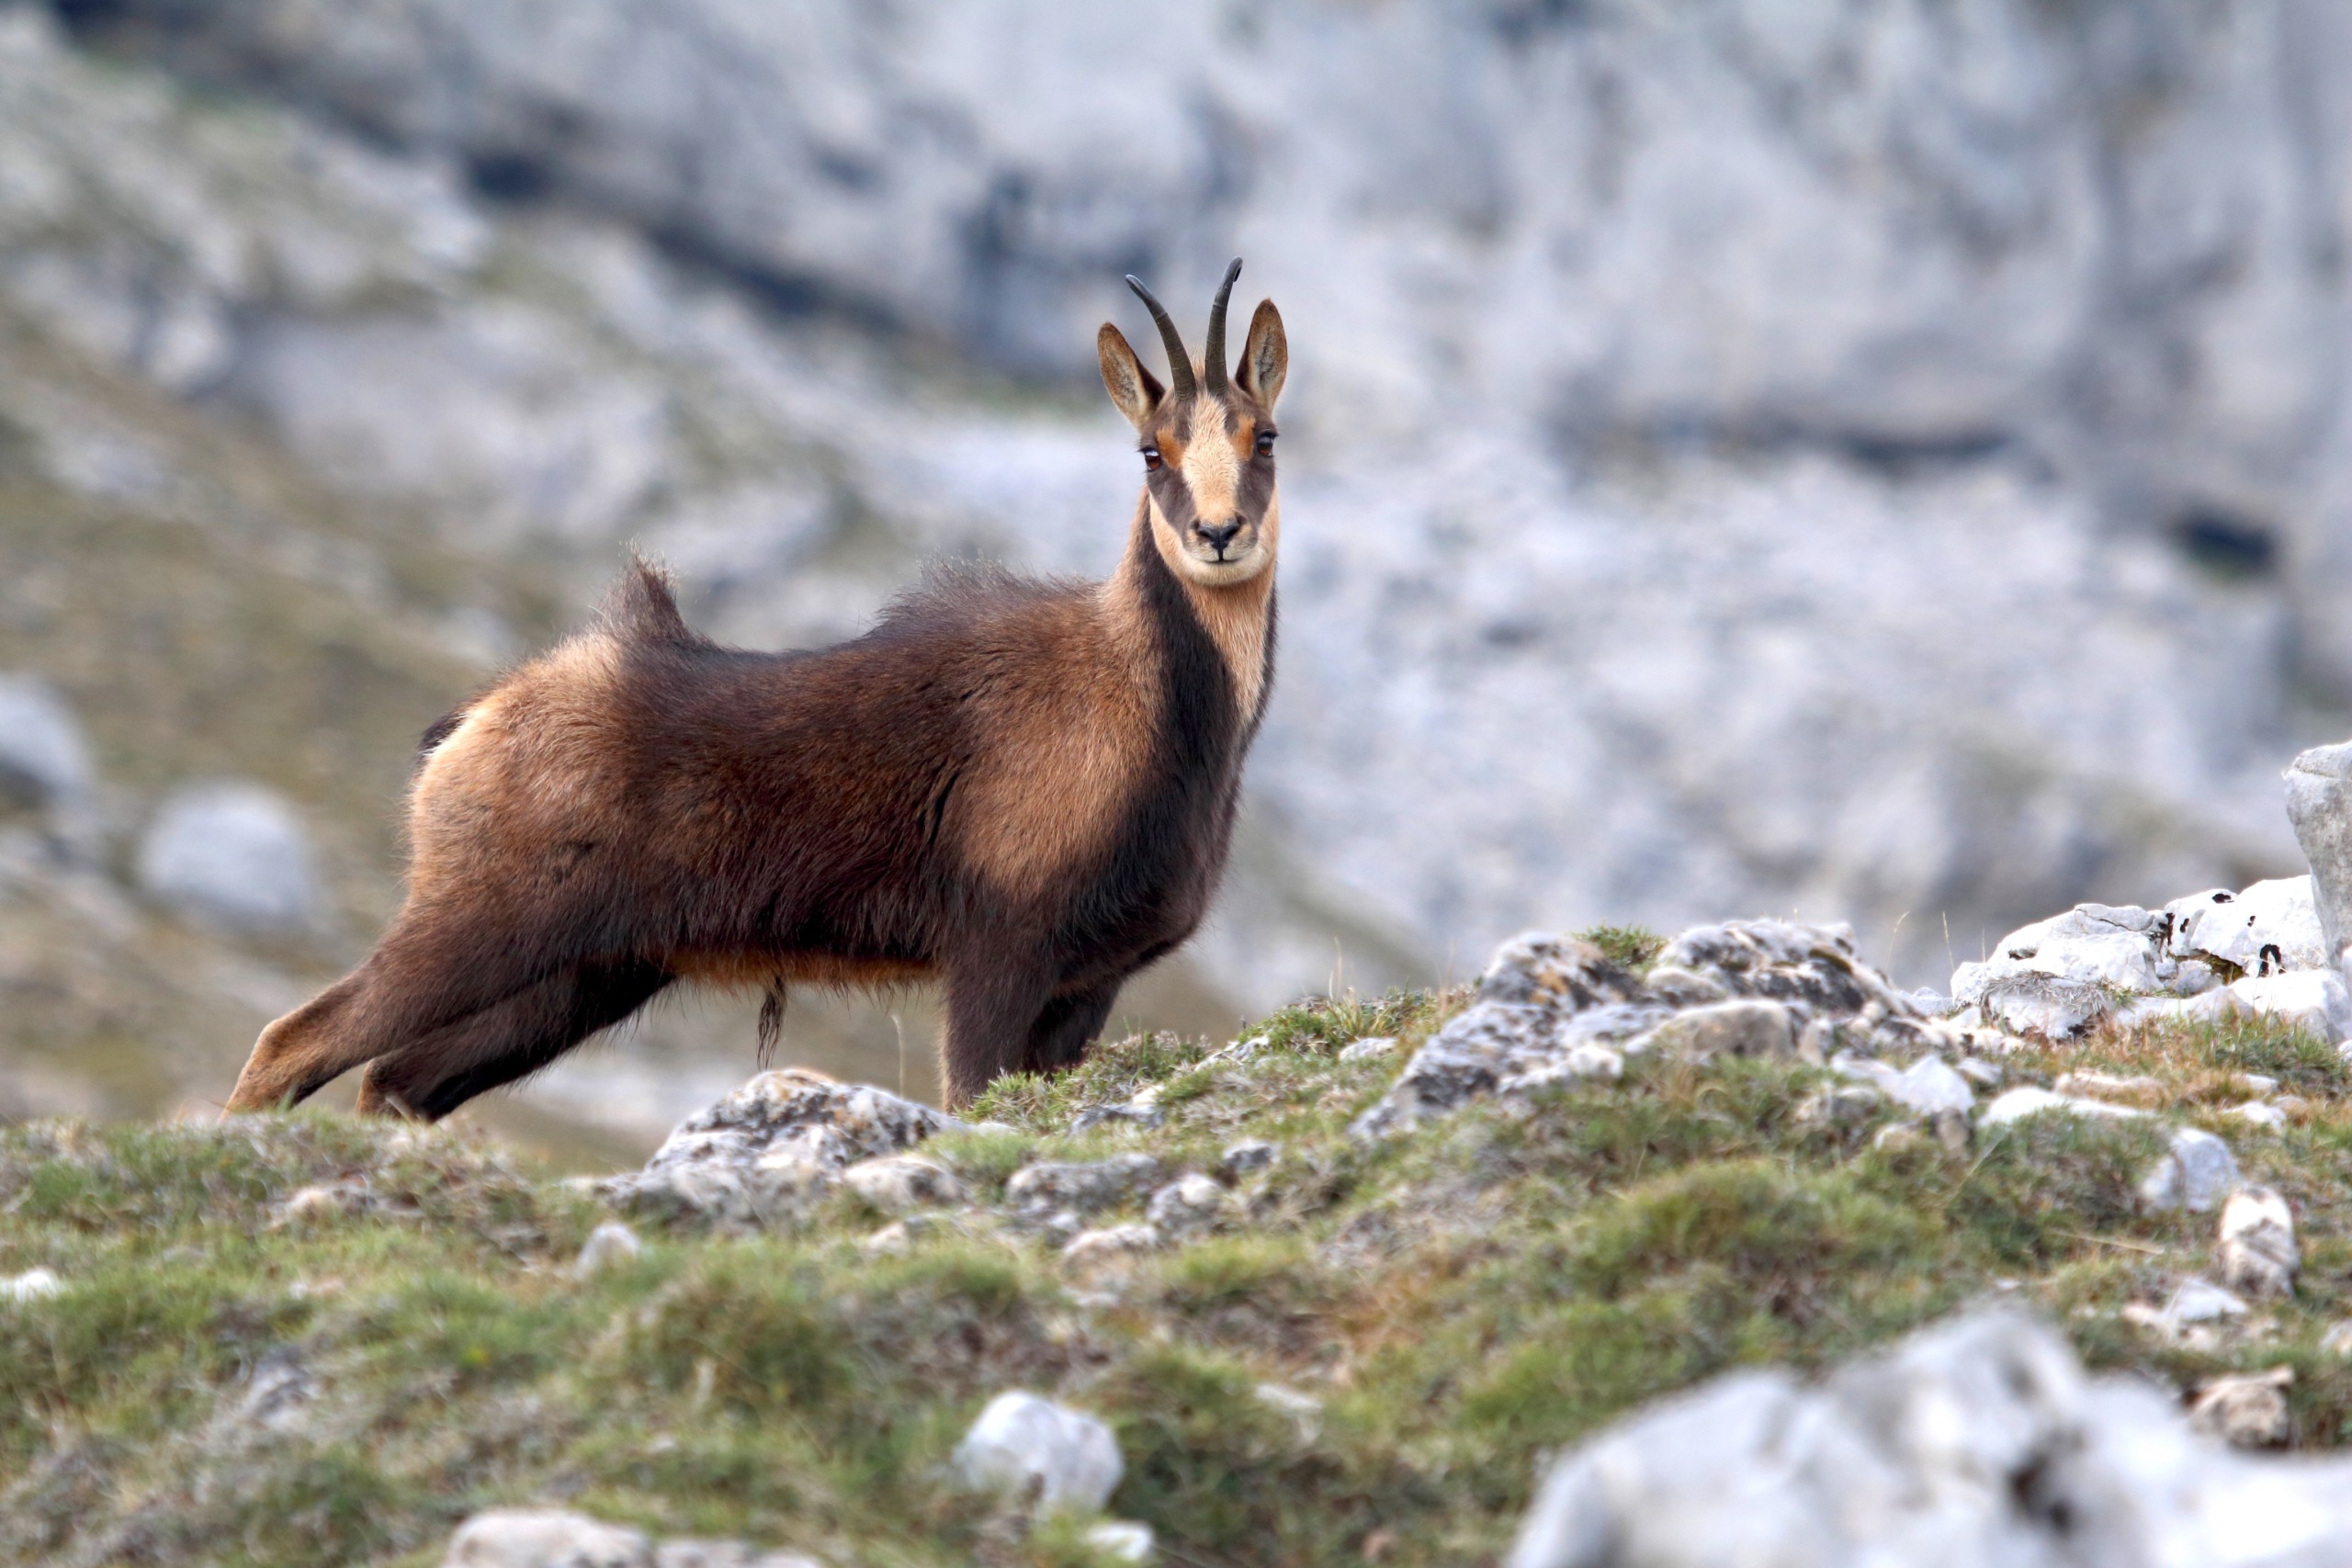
[1977, 1444]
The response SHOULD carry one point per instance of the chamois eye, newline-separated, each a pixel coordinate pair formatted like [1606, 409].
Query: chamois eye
[1265, 441]
[1152, 456]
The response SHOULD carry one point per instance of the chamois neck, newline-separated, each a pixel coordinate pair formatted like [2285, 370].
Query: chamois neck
[1237, 618]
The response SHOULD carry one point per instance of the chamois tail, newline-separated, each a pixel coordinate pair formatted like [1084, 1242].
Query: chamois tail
[641, 608]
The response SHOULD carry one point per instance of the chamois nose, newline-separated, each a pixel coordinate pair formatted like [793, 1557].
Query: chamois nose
[1218, 535]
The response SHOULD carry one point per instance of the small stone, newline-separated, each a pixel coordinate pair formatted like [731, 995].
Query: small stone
[2215, 1006]
[2258, 1114]
[1031, 1448]
[1084, 1186]
[1980, 1072]
[1127, 1115]
[1366, 1050]
[2246, 1410]
[1731, 1029]
[1901, 1135]
[2197, 1300]
[1250, 1155]
[2257, 1253]
[322, 1201]
[545, 1538]
[1110, 1246]
[1846, 1105]
[900, 1184]
[2139, 1089]
[609, 1246]
[2194, 978]
[32, 1285]
[1122, 1541]
[2019, 1103]
[1303, 1408]
[2259, 1085]
[2291, 1104]
[1191, 1202]
[2196, 1173]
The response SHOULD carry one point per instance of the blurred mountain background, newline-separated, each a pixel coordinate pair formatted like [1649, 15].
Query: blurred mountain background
[1875, 459]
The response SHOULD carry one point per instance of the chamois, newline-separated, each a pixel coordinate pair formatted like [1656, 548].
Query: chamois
[1021, 789]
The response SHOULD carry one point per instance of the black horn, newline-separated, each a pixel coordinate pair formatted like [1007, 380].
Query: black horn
[1179, 364]
[1213, 351]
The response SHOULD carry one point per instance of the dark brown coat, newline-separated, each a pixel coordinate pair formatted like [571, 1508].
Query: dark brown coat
[1021, 789]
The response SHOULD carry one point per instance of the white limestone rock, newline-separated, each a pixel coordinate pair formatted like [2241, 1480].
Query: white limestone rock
[1927, 1086]
[2311, 1000]
[763, 1151]
[2044, 1006]
[2246, 1410]
[2196, 1173]
[1978, 1443]
[32, 1285]
[1191, 1202]
[1083, 1186]
[2214, 1005]
[1742, 1028]
[1034, 1450]
[545, 1538]
[2257, 1254]
[609, 1246]
[233, 852]
[1111, 1247]
[1123, 1541]
[2138, 1089]
[2019, 1103]
[2268, 927]
[901, 1184]
[2319, 803]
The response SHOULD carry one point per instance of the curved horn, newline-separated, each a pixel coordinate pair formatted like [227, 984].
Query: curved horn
[1179, 364]
[1213, 351]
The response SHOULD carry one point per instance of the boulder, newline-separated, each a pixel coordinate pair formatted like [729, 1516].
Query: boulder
[1978, 1443]
[1035, 1450]
[2269, 927]
[232, 852]
[2319, 803]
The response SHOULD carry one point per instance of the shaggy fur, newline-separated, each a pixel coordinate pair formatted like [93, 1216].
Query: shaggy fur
[1021, 789]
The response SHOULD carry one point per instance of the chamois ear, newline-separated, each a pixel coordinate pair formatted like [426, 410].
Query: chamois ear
[1265, 359]
[1132, 388]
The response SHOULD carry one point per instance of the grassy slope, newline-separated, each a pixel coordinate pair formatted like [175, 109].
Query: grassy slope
[1462, 1300]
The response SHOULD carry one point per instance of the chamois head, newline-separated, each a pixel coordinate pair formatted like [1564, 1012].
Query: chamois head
[1207, 439]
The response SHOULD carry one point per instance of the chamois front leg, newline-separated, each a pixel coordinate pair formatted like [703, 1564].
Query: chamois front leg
[1068, 1024]
[991, 1005]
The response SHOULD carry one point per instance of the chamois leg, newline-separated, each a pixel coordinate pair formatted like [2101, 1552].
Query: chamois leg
[434, 1076]
[991, 1006]
[425, 974]
[1070, 1023]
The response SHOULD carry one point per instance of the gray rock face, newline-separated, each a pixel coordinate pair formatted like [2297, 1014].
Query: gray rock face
[1976, 1444]
[2319, 803]
[233, 852]
[1935, 322]
[782, 1138]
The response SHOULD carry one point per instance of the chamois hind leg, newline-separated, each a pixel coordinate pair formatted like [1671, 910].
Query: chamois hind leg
[432, 1076]
[991, 1006]
[425, 974]
[1067, 1025]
